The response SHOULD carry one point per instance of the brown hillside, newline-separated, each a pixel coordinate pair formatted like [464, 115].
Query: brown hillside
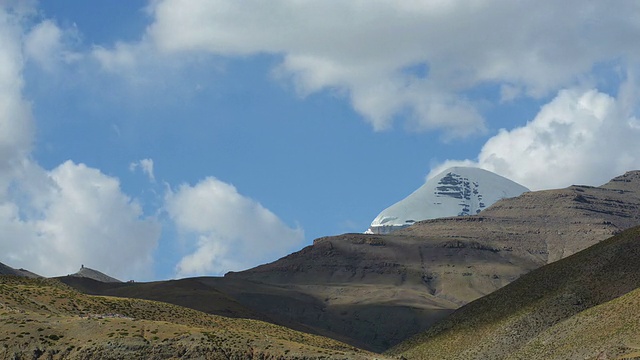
[44, 319]
[581, 307]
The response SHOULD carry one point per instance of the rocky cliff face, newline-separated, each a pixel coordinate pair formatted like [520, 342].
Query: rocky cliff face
[457, 191]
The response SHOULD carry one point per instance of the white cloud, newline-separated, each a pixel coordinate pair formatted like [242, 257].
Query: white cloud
[580, 137]
[43, 42]
[53, 221]
[48, 45]
[16, 123]
[146, 165]
[123, 57]
[363, 49]
[229, 231]
[77, 215]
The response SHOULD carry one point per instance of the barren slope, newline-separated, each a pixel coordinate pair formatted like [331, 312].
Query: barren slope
[581, 307]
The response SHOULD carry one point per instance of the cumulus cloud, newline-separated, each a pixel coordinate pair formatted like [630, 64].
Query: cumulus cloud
[228, 231]
[53, 221]
[43, 42]
[76, 215]
[582, 136]
[363, 49]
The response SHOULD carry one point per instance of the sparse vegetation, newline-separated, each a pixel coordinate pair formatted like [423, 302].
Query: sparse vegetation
[74, 325]
[581, 307]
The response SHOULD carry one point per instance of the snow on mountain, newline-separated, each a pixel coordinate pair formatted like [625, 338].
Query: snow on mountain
[456, 191]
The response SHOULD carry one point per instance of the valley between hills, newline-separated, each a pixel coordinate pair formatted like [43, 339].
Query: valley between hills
[547, 274]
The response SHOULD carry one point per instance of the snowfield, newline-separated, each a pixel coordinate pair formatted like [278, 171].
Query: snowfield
[457, 191]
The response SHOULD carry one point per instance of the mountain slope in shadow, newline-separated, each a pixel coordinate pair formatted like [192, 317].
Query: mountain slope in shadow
[44, 319]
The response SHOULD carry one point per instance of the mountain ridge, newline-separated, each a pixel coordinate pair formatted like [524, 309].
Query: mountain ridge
[7, 270]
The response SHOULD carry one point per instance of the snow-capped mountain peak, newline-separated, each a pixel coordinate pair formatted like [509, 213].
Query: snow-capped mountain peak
[456, 191]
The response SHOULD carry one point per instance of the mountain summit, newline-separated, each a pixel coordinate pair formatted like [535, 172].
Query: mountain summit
[86, 272]
[456, 191]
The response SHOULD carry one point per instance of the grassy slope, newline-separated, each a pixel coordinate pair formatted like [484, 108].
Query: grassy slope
[610, 330]
[44, 317]
[513, 321]
[190, 293]
[203, 294]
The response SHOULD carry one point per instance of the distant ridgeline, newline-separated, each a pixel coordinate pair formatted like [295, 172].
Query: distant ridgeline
[457, 191]
[7, 270]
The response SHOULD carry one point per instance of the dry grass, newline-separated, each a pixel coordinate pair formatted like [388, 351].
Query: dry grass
[44, 317]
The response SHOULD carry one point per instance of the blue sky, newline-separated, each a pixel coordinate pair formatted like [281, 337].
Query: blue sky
[176, 138]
